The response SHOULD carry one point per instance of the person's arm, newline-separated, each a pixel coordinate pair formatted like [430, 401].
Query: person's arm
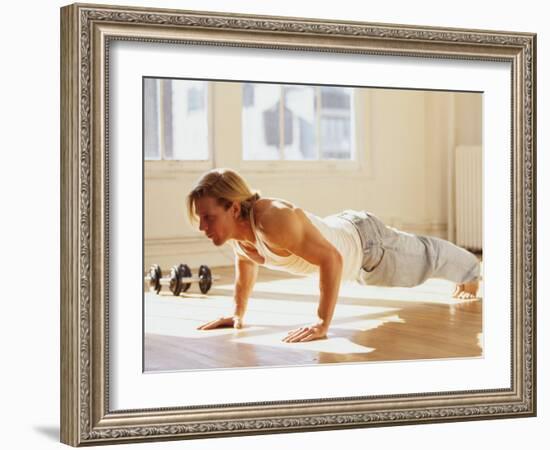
[246, 272]
[291, 230]
[245, 278]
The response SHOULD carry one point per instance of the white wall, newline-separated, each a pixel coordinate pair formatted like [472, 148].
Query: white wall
[29, 181]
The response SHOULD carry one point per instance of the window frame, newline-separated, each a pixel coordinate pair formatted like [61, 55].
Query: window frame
[160, 168]
[360, 148]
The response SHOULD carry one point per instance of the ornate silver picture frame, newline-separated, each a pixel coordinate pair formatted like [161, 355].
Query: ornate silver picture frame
[87, 35]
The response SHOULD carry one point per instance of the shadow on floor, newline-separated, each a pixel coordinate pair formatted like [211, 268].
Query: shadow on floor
[51, 432]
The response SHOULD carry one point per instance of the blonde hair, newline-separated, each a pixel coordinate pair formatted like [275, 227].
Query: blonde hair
[226, 186]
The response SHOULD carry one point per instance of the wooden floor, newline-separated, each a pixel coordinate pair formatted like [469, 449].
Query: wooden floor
[370, 324]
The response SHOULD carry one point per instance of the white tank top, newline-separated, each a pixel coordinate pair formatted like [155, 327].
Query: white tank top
[338, 231]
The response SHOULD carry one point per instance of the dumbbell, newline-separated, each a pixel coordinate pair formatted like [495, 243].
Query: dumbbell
[180, 279]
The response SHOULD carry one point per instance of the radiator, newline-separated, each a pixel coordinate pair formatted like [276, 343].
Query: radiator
[469, 197]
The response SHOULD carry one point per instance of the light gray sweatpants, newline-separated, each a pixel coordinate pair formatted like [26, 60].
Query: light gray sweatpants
[395, 258]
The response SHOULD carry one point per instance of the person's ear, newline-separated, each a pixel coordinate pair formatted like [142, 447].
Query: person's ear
[236, 207]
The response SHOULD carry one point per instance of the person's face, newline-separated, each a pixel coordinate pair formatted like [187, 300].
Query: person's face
[215, 221]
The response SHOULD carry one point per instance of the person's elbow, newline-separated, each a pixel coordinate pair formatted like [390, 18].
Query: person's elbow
[334, 260]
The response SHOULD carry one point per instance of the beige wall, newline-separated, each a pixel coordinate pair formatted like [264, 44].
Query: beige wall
[407, 139]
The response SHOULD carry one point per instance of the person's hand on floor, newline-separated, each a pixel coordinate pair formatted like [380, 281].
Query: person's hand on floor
[223, 322]
[306, 334]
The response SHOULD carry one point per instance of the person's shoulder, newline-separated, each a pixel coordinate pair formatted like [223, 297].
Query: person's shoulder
[270, 207]
[272, 213]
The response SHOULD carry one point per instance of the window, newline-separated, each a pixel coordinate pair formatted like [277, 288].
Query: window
[297, 122]
[175, 120]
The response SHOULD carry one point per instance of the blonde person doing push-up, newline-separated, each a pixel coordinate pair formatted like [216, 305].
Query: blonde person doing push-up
[352, 245]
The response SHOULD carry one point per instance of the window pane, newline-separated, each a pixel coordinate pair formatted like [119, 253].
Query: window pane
[185, 119]
[335, 126]
[314, 123]
[299, 125]
[260, 121]
[151, 148]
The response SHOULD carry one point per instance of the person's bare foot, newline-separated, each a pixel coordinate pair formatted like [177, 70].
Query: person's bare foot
[467, 291]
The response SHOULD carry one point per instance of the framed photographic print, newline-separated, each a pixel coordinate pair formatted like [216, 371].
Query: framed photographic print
[287, 224]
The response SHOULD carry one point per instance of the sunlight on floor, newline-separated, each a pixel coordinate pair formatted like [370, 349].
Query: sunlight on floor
[369, 324]
[365, 325]
[180, 316]
[331, 345]
[432, 291]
